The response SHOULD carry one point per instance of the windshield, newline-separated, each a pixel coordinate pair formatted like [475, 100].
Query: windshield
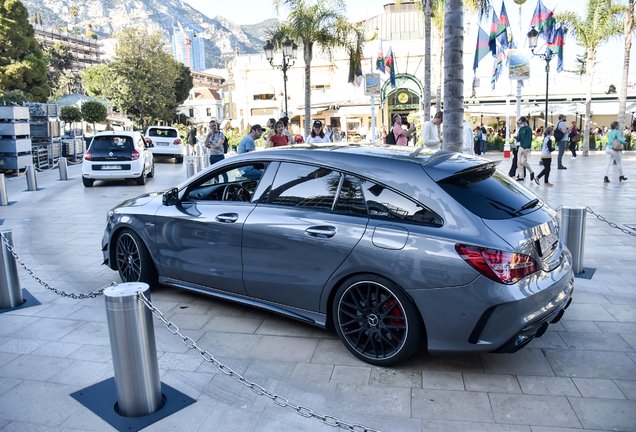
[490, 194]
[161, 132]
[112, 143]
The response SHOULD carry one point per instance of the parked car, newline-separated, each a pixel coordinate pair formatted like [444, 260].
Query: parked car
[166, 142]
[390, 248]
[117, 155]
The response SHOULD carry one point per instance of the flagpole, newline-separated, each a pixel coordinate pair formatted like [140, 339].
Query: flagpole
[519, 81]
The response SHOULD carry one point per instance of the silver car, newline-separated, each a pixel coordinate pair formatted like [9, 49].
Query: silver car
[391, 248]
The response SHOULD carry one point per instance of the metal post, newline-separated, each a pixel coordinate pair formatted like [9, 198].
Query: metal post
[132, 343]
[4, 198]
[63, 166]
[190, 167]
[32, 182]
[10, 291]
[188, 150]
[573, 233]
[206, 161]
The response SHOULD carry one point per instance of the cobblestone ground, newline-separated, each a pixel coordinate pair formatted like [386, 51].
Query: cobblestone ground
[581, 375]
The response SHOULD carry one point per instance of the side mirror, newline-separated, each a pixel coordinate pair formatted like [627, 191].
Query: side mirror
[171, 197]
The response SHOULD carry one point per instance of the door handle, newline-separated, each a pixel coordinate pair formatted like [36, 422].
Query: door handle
[227, 217]
[321, 231]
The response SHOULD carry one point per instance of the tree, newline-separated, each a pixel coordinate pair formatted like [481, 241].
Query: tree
[318, 24]
[98, 81]
[70, 114]
[600, 24]
[183, 83]
[22, 63]
[14, 96]
[94, 112]
[453, 75]
[629, 29]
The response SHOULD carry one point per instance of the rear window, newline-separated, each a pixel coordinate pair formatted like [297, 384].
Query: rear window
[162, 132]
[112, 143]
[490, 194]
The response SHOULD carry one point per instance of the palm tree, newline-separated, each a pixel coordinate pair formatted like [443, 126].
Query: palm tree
[438, 22]
[320, 24]
[602, 22]
[427, 7]
[629, 29]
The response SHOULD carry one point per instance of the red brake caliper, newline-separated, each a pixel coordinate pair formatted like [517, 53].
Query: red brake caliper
[395, 312]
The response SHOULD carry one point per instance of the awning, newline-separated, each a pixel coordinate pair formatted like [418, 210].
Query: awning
[263, 88]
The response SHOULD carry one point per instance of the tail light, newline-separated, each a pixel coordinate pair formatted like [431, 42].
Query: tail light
[88, 156]
[500, 266]
[148, 140]
[135, 155]
[177, 141]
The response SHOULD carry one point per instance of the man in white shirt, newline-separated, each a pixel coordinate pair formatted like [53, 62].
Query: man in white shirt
[430, 138]
[468, 139]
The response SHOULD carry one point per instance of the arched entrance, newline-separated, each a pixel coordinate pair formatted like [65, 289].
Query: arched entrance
[405, 98]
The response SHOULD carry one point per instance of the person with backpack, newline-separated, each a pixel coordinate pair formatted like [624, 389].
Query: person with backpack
[525, 147]
[546, 157]
[561, 137]
[401, 135]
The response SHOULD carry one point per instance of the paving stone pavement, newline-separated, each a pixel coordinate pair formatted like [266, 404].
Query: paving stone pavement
[581, 375]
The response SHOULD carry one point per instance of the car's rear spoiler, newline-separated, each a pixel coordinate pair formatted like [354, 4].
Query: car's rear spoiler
[446, 166]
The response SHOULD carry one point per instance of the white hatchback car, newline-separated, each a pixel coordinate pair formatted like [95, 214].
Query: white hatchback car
[117, 155]
[166, 141]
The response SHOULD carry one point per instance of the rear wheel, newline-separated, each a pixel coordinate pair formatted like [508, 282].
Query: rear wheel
[141, 180]
[152, 170]
[179, 159]
[376, 321]
[87, 182]
[133, 259]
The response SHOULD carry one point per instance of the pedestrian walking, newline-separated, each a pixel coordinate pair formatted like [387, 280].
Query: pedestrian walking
[546, 157]
[317, 135]
[467, 138]
[574, 138]
[525, 147]
[515, 152]
[214, 142]
[482, 142]
[430, 137]
[613, 152]
[477, 139]
[278, 139]
[561, 136]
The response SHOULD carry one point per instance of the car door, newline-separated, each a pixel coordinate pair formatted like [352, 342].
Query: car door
[144, 153]
[199, 239]
[295, 239]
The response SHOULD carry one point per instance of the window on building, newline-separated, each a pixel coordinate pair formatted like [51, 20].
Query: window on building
[191, 112]
[263, 97]
[208, 112]
[320, 88]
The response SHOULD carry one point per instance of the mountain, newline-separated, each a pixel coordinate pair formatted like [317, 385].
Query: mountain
[109, 16]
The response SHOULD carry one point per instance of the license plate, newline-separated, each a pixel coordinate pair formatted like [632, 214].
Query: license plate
[162, 143]
[548, 242]
[111, 167]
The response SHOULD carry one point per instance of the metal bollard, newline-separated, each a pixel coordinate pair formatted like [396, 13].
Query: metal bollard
[201, 162]
[63, 166]
[190, 167]
[132, 343]
[206, 161]
[188, 150]
[10, 291]
[4, 198]
[573, 232]
[198, 149]
[32, 181]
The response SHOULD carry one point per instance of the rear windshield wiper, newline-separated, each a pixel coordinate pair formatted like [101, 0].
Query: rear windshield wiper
[529, 205]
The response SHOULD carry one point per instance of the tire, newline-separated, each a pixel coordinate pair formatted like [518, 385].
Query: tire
[179, 159]
[87, 182]
[152, 170]
[376, 321]
[133, 259]
[141, 180]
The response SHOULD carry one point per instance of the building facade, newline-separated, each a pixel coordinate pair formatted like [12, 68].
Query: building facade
[203, 104]
[86, 52]
[197, 48]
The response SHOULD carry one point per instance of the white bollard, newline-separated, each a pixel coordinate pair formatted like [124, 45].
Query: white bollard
[10, 290]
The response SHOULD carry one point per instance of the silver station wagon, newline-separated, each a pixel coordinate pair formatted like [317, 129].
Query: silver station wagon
[391, 248]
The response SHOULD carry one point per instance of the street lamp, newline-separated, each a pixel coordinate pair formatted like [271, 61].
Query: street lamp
[533, 37]
[290, 52]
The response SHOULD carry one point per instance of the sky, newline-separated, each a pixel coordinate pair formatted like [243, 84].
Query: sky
[610, 56]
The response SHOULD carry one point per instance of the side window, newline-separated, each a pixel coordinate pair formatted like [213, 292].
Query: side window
[383, 203]
[236, 183]
[298, 185]
[351, 197]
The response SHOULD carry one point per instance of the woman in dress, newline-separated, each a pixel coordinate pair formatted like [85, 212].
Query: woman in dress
[279, 138]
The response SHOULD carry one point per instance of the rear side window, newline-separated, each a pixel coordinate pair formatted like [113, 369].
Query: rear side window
[162, 132]
[298, 185]
[489, 194]
[112, 143]
[383, 203]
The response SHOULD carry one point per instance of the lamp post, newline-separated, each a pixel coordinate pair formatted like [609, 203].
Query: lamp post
[290, 52]
[533, 37]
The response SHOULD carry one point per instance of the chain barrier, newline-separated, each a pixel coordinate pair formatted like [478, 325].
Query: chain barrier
[277, 399]
[44, 284]
[612, 224]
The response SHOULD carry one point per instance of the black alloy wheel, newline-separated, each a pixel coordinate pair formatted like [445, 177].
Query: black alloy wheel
[133, 259]
[376, 321]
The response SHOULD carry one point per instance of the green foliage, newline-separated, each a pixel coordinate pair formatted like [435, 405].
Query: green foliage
[16, 96]
[94, 112]
[91, 34]
[22, 63]
[70, 114]
[611, 89]
[142, 80]
[59, 57]
[499, 142]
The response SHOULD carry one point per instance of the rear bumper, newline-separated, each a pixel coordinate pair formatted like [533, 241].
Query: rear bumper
[167, 152]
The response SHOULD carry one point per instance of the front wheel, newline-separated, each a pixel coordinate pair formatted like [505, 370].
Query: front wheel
[376, 321]
[133, 259]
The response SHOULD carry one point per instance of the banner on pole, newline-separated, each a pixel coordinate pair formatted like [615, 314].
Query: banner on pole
[519, 64]
[372, 85]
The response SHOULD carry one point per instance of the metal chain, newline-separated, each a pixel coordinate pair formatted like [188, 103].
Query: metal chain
[277, 399]
[612, 224]
[44, 284]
